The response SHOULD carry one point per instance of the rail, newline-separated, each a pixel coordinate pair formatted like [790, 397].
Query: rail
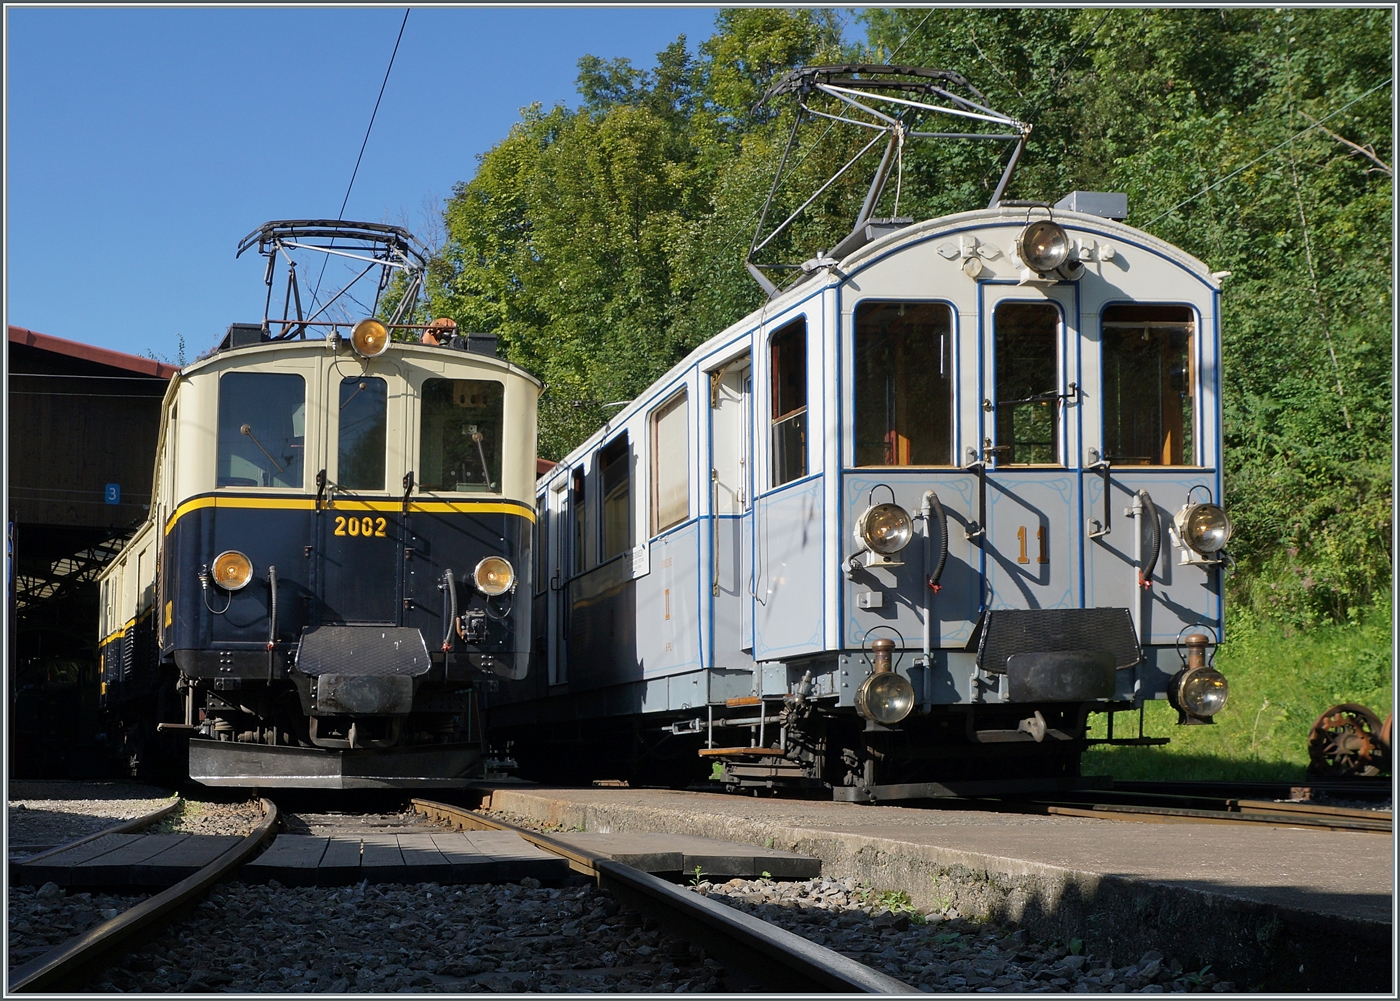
[49, 971]
[125, 827]
[1212, 807]
[773, 959]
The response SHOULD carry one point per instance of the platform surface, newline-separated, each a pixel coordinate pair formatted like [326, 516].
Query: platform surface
[685, 853]
[436, 856]
[1341, 873]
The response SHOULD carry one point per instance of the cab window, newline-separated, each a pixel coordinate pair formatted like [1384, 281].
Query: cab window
[460, 435]
[262, 430]
[1149, 400]
[903, 384]
[363, 422]
[1027, 384]
[788, 428]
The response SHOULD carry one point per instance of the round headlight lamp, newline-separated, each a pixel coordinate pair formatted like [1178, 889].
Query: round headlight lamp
[1205, 527]
[1043, 245]
[885, 528]
[494, 576]
[369, 338]
[1202, 691]
[885, 697]
[232, 570]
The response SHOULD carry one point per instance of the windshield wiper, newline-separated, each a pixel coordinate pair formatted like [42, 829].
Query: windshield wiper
[248, 430]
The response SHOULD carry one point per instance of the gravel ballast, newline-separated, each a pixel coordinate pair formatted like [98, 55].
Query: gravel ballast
[426, 938]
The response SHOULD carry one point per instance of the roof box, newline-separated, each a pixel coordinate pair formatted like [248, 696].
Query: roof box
[1109, 204]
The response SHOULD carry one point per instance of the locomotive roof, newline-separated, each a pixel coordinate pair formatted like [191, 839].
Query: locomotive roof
[873, 251]
[421, 352]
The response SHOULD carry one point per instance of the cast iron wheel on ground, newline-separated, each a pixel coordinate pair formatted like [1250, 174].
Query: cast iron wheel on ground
[1346, 741]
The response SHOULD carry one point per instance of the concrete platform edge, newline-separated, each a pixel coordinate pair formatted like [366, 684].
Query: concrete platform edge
[1260, 946]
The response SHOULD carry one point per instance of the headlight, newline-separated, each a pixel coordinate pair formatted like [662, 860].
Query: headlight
[1202, 691]
[494, 575]
[1204, 527]
[232, 570]
[885, 697]
[1043, 245]
[885, 528]
[370, 338]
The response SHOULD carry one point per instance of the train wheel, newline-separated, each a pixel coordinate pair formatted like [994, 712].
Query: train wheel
[1346, 742]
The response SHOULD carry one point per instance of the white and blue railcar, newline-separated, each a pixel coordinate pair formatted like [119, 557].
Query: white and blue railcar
[901, 530]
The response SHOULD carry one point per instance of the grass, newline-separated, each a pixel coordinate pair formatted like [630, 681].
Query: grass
[1280, 681]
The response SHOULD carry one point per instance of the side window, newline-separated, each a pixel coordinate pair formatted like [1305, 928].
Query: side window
[670, 464]
[579, 503]
[614, 469]
[788, 365]
[1149, 395]
[1027, 384]
[903, 384]
[262, 430]
[364, 418]
[460, 435]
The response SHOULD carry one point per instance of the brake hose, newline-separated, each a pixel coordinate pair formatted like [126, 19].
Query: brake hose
[942, 542]
[1145, 575]
[450, 584]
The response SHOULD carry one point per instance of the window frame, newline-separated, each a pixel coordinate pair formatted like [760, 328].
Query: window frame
[1059, 439]
[623, 447]
[309, 429]
[797, 324]
[679, 399]
[420, 387]
[335, 448]
[1194, 379]
[954, 382]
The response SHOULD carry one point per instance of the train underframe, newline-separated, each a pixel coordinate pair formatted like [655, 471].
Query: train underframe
[808, 749]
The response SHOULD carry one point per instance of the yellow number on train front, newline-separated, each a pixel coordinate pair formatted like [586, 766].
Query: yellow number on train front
[366, 526]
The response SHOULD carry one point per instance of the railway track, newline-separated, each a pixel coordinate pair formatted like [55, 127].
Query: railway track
[50, 971]
[754, 955]
[764, 957]
[1215, 803]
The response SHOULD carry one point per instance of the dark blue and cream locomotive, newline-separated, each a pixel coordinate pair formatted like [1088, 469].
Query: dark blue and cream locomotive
[899, 532]
[336, 558]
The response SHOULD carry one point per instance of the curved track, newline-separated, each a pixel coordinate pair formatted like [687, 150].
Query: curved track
[125, 827]
[770, 958]
[49, 971]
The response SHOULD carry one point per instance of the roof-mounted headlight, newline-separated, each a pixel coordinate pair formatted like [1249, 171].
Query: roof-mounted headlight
[1043, 245]
[369, 338]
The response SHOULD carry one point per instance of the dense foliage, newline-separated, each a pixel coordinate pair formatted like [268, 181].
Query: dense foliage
[600, 243]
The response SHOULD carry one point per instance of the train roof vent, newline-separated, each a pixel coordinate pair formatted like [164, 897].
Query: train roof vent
[867, 232]
[1109, 204]
[481, 344]
[242, 335]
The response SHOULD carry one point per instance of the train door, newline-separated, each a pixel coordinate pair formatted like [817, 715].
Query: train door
[1032, 543]
[359, 527]
[555, 512]
[731, 496]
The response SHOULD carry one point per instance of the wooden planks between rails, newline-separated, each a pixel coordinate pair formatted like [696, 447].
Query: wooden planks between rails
[762, 956]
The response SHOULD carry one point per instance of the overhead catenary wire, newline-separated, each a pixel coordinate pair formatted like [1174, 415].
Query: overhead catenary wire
[1270, 152]
[364, 144]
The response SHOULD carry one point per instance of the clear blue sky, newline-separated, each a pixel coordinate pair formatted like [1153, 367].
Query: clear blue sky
[142, 144]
